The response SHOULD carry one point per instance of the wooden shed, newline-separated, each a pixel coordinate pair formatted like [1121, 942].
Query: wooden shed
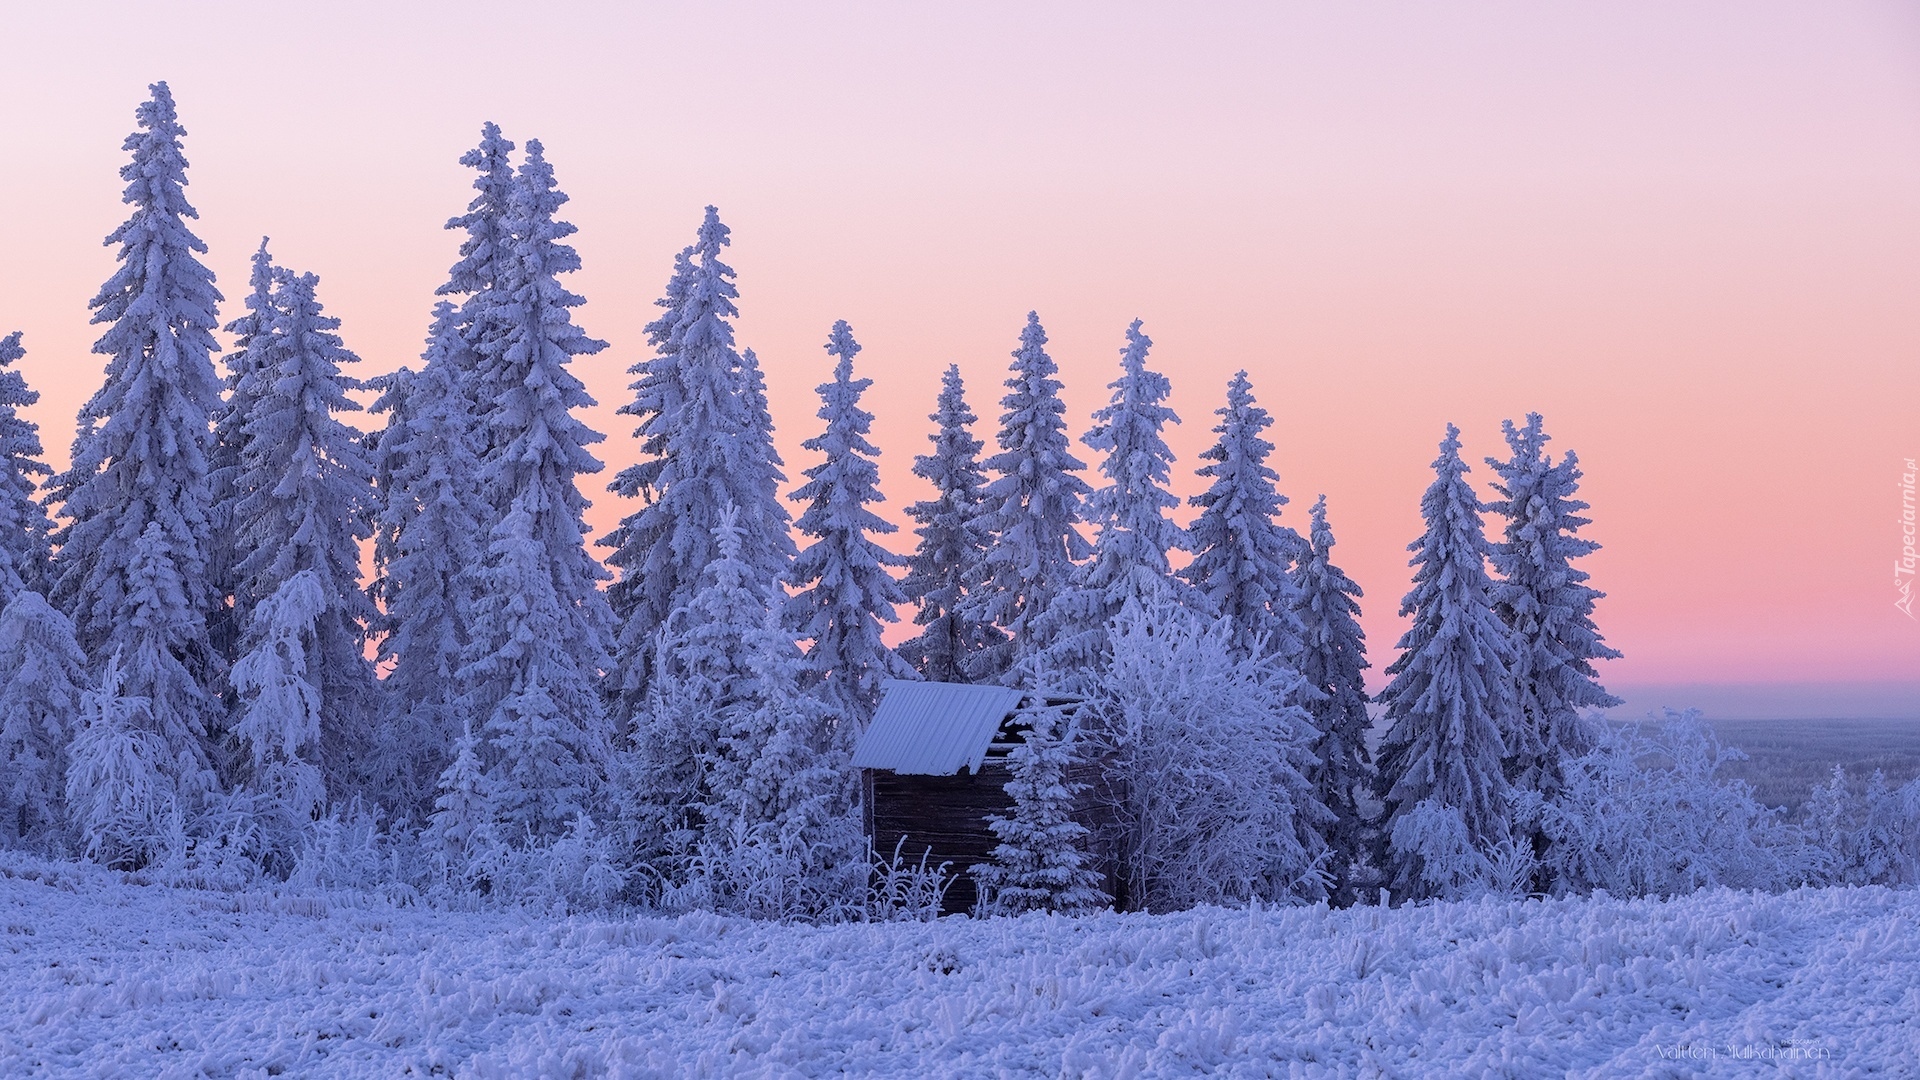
[933, 769]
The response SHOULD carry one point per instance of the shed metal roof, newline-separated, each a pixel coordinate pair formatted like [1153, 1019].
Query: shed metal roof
[934, 729]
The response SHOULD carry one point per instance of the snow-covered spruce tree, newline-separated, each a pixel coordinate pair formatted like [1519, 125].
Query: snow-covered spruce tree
[1241, 553]
[303, 503]
[460, 836]
[842, 591]
[1449, 704]
[1545, 601]
[42, 670]
[283, 699]
[23, 521]
[252, 334]
[484, 257]
[1332, 658]
[139, 463]
[428, 554]
[730, 768]
[121, 798]
[1210, 751]
[949, 564]
[541, 629]
[1130, 554]
[704, 439]
[42, 677]
[170, 720]
[1040, 863]
[1032, 512]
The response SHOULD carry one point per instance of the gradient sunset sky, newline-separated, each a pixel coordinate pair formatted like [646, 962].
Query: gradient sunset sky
[1687, 234]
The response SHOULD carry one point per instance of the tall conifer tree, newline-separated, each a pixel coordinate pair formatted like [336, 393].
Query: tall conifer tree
[843, 592]
[136, 499]
[251, 334]
[949, 564]
[42, 671]
[701, 433]
[1241, 553]
[1333, 660]
[303, 503]
[1546, 602]
[1033, 510]
[1450, 701]
[541, 630]
[1130, 554]
[24, 527]
[428, 552]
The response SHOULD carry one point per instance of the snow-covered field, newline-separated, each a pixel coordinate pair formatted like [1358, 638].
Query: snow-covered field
[104, 976]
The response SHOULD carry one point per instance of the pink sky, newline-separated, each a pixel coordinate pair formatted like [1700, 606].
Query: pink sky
[1687, 234]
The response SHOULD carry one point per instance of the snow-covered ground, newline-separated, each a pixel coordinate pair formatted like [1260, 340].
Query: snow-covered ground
[104, 976]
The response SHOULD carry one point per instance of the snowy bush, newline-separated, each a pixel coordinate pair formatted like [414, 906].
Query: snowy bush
[902, 891]
[1869, 837]
[762, 873]
[1206, 755]
[1649, 813]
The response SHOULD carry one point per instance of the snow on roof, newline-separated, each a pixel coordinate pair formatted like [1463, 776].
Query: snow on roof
[934, 729]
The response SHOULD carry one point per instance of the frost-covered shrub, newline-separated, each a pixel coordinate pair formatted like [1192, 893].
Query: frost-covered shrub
[1869, 837]
[1206, 756]
[1648, 812]
[902, 891]
[763, 874]
[351, 848]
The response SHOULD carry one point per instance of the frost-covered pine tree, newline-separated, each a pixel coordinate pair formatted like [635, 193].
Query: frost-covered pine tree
[949, 564]
[728, 742]
[1040, 863]
[1241, 553]
[136, 499]
[122, 798]
[42, 677]
[1032, 512]
[1130, 554]
[303, 504]
[484, 256]
[42, 670]
[703, 439]
[460, 835]
[252, 334]
[1332, 660]
[1449, 703]
[283, 696]
[842, 589]
[23, 521]
[541, 630]
[157, 627]
[1545, 601]
[428, 554]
